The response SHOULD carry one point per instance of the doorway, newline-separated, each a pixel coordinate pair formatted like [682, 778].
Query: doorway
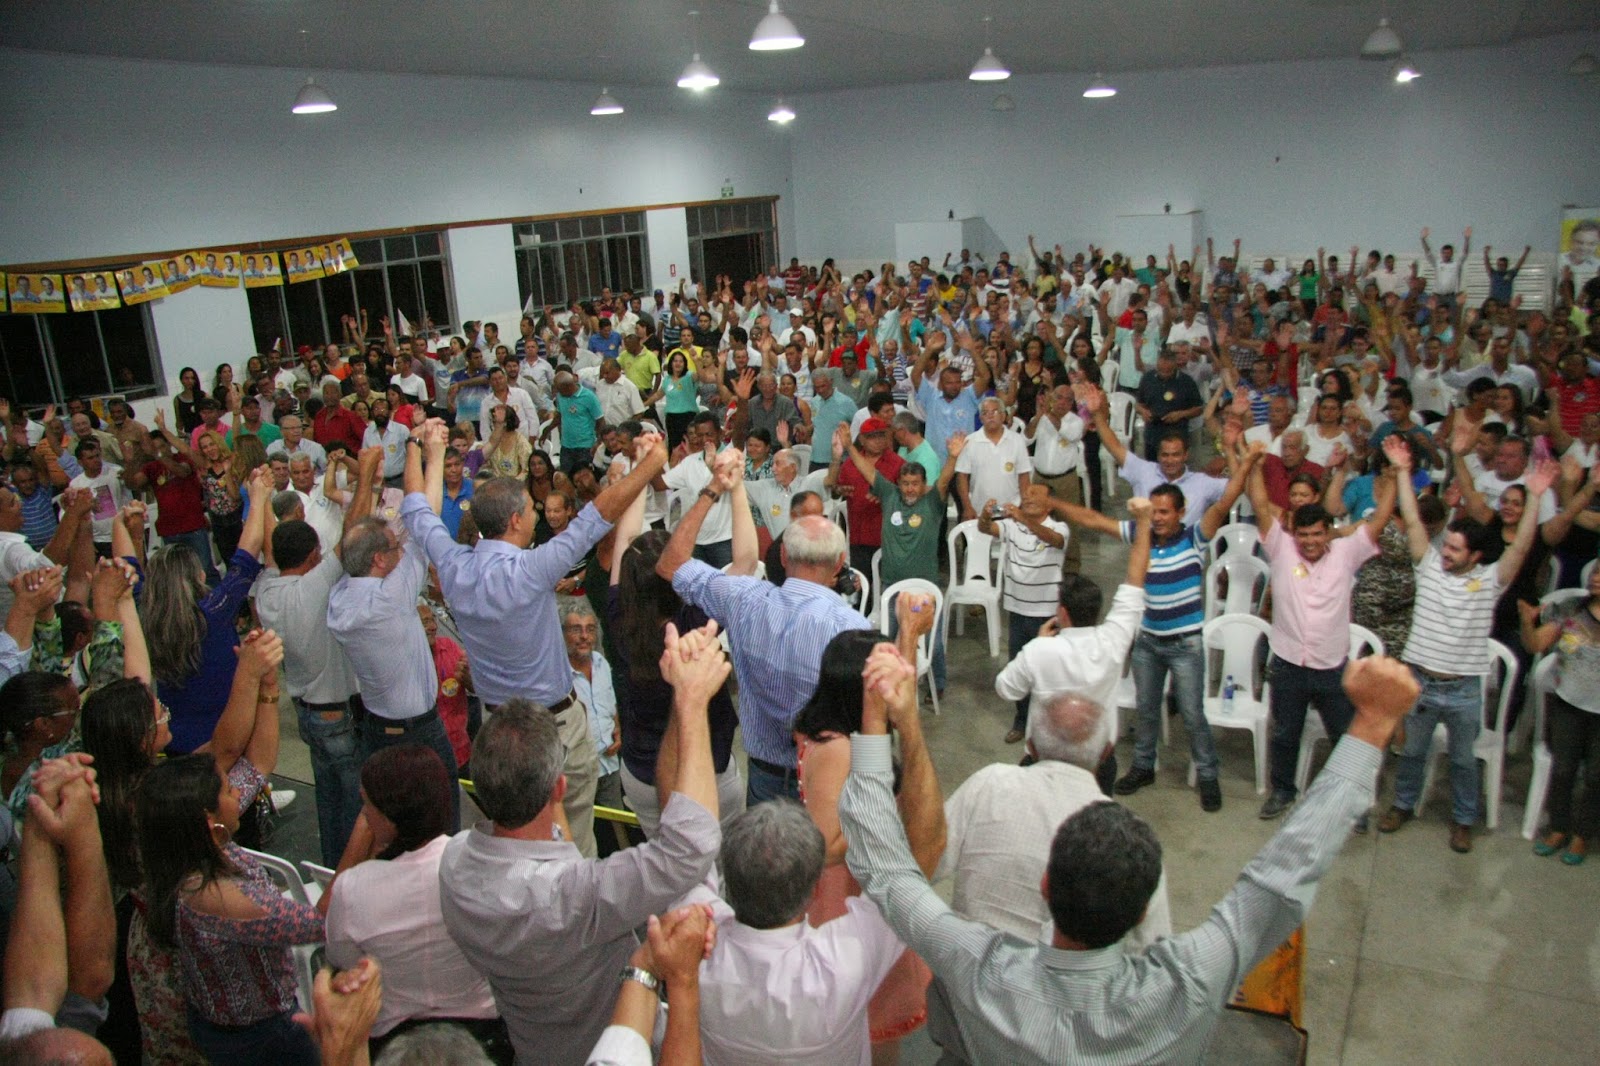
[738, 256]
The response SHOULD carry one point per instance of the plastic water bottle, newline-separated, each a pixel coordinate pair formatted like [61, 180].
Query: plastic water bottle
[1228, 689]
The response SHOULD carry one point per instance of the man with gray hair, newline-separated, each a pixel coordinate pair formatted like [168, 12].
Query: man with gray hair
[994, 465]
[1000, 822]
[771, 498]
[549, 929]
[295, 442]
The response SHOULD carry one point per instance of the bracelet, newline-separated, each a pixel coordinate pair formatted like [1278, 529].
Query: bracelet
[644, 977]
[268, 697]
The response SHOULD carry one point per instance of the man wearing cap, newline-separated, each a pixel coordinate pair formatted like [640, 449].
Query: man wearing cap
[210, 421]
[864, 509]
[250, 421]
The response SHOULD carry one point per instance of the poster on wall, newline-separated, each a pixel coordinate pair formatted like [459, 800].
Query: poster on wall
[304, 264]
[179, 273]
[33, 294]
[220, 270]
[1580, 244]
[261, 269]
[340, 257]
[5, 292]
[93, 292]
[141, 284]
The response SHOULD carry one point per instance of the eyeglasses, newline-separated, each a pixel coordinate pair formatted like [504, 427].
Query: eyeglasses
[578, 627]
[166, 714]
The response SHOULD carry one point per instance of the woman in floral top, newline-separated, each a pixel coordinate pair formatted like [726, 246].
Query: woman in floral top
[212, 904]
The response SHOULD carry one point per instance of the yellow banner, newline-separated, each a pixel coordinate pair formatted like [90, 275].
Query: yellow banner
[33, 294]
[93, 292]
[304, 264]
[141, 284]
[261, 270]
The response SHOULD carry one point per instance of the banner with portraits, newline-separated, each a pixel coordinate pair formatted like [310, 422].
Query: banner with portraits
[34, 294]
[339, 257]
[303, 264]
[261, 270]
[178, 273]
[140, 284]
[93, 292]
[220, 270]
[1580, 244]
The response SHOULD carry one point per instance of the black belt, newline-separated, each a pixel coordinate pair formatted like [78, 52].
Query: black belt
[771, 768]
[1063, 473]
[393, 726]
[555, 708]
[338, 705]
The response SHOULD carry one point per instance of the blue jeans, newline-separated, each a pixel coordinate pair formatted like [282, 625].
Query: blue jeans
[719, 554]
[200, 541]
[764, 785]
[336, 771]
[1459, 705]
[575, 459]
[378, 733]
[1023, 629]
[1184, 658]
[275, 1041]
[1294, 689]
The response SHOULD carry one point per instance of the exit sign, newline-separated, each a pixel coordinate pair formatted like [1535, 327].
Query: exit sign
[727, 191]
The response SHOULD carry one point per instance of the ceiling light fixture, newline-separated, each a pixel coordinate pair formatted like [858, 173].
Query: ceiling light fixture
[313, 100]
[606, 104]
[775, 33]
[1099, 89]
[698, 75]
[988, 67]
[1382, 42]
[1405, 72]
[782, 114]
[1584, 65]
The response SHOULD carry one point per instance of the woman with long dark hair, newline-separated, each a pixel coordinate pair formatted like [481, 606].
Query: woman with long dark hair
[384, 899]
[679, 388]
[208, 901]
[186, 405]
[190, 628]
[639, 605]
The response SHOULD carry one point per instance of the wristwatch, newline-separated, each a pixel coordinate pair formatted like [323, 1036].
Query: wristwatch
[711, 494]
[644, 977]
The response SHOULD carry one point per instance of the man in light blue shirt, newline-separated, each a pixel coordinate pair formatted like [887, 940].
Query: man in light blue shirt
[830, 406]
[950, 408]
[391, 437]
[502, 596]
[1171, 466]
[591, 680]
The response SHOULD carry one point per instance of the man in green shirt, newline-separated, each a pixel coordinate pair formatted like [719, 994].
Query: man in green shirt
[912, 513]
[639, 364]
[914, 447]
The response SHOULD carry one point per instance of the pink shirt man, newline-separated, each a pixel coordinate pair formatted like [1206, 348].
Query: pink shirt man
[1311, 601]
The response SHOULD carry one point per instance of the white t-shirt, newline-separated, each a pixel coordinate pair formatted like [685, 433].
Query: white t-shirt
[1120, 292]
[1319, 449]
[993, 468]
[1493, 486]
[1263, 433]
[110, 493]
[687, 479]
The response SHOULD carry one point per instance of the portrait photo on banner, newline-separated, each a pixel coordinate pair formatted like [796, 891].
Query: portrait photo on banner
[36, 294]
[303, 264]
[178, 273]
[93, 292]
[339, 257]
[142, 283]
[1580, 244]
[219, 270]
[261, 270]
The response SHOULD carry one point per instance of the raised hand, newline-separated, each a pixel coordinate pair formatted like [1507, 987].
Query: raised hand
[260, 654]
[1542, 476]
[370, 460]
[1395, 450]
[1338, 456]
[955, 445]
[891, 681]
[678, 941]
[693, 663]
[1382, 689]
[914, 611]
[38, 589]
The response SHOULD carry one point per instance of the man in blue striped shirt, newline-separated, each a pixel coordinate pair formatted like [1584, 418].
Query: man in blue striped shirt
[1169, 637]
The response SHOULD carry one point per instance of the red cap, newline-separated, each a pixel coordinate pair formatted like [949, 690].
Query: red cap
[303, 349]
[874, 425]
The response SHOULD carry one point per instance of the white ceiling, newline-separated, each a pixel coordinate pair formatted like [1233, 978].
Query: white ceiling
[849, 43]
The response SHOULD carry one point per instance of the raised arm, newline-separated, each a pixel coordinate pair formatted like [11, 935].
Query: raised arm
[1538, 482]
[889, 690]
[1139, 555]
[1099, 409]
[680, 548]
[746, 546]
[1416, 533]
[650, 459]
[255, 527]
[1216, 515]
[252, 707]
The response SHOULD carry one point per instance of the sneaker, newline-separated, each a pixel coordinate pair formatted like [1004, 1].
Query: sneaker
[1133, 781]
[281, 798]
[1276, 804]
[1393, 819]
[1013, 736]
[1460, 838]
[1210, 794]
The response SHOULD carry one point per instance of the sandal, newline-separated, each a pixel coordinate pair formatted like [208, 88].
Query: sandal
[1576, 852]
[1552, 843]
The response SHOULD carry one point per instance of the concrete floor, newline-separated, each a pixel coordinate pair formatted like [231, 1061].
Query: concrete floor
[1415, 954]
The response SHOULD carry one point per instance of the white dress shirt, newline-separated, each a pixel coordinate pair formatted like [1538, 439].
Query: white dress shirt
[389, 909]
[793, 996]
[1056, 448]
[517, 398]
[994, 467]
[315, 666]
[687, 479]
[619, 400]
[1000, 824]
[1083, 660]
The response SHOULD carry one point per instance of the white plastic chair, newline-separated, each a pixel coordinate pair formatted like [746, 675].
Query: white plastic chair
[1491, 743]
[1586, 573]
[1242, 537]
[1124, 416]
[760, 570]
[1248, 579]
[1563, 595]
[925, 642]
[319, 875]
[835, 511]
[974, 580]
[877, 583]
[295, 888]
[1238, 637]
[1363, 642]
[863, 595]
[1543, 684]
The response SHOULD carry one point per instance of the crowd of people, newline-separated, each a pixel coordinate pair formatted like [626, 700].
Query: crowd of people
[589, 566]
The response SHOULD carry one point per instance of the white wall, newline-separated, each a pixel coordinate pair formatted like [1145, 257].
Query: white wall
[1292, 154]
[107, 157]
[483, 270]
[666, 232]
[202, 328]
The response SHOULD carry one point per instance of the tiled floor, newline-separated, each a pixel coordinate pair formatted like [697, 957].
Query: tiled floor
[1415, 954]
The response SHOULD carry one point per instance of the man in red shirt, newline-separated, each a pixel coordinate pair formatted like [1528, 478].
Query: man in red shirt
[1278, 472]
[336, 422]
[864, 510]
[181, 515]
[1577, 389]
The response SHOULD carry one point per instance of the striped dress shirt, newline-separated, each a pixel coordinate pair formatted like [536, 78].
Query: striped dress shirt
[777, 634]
[998, 999]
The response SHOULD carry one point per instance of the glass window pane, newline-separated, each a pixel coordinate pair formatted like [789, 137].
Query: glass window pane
[404, 294]
[27, 382]
[367, 251]
[633, 221]
[554, 291]
[399, 248]
[569, 229]
[576, 264]
[428, 244]
[338, 299]
[725, 218]
[371, 298]
[525, 274]
[266, 315]
[692, 220]
[127, 344]
[591, 225]
[76, 344]
[611, 223]
[304, 310]
[435, 293]
[546, 230]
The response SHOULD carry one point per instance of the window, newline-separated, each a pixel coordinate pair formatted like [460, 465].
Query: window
[754, 220]
[566, 259]
[49, 358]
[403, 275]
